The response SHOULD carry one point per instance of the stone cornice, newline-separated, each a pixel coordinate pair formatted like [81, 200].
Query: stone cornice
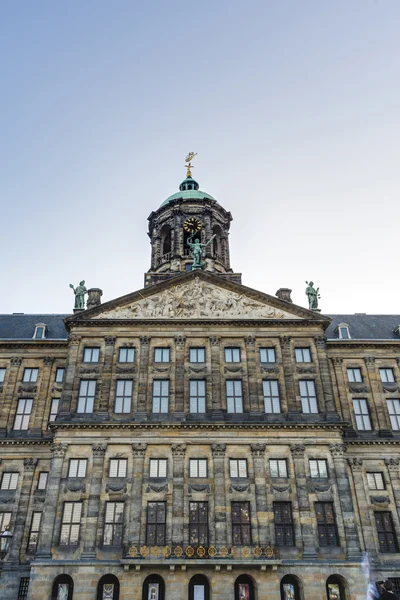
[362, 343]
[337, 426]
[33, 343]
[25, 442]
[204, 321]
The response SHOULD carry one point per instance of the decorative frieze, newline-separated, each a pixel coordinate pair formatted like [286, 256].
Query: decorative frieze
[198, 487]
[337, 361]
[238, 488]
[285, 340]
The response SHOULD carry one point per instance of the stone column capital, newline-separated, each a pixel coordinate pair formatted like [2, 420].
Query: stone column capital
[48, 361]
[139, 449]
[215, 340]
[58, 450]
[337, 361]
[109, 340]
[218, 450]
[320, 341]
[30, 463]
[99, 449]
[355, 463]
[180, 340]
[74, 339]
[258, 449]
[250, 340]
[338, 450]
[369, 361]
[297, 450]
[178, 449]
[285, 340]
[145, 340]
[16, 362]
[393, 466]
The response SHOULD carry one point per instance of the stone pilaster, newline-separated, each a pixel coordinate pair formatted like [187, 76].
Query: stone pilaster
[179, 375]
[254, 402]
[106, 375]
[218, 452]
[39, 417]
[338, 452]
[307, 533]
[378, 400]
[341, 386]
[264, 533]
[392, 465]
[50, 508]
[208, 231]
[135, 512]
[330, 407]
[69, 377]
[178, 453]
[22, 510]
[6, 414]
[177, 227]
[286, 349]
[93, 509]
[356, 467]
[141, 414]
[216, 377]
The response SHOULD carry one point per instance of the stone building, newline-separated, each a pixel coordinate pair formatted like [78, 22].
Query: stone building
[197, 438]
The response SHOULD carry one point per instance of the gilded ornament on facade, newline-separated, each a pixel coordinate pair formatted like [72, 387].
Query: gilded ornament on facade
[269, 552]
[235, 552]
[144, 551]
[212, 551]
[257, 551]
[224, 552]
[201, 551]
[167, 551]
[132, 551]
[192, 225]
[178, 551]
[156, 551]
[246, 552]
[189, 551]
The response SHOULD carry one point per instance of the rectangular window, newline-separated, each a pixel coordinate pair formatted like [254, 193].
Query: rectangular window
[60, 375]
[77, 467]
[318, 469]
[71, 523]
[386, 533]
[126, 355]
[361, 412]
[24, 409]
[232, 355]
[2, 375]
[55, 403]
[241, 531]
[238, 467]
[34, 532]
[9, 481]
[387, 375]
[234, 396]
[30, 375]
[197, 355]
[42, 481]
[327, 532]
[123, 396]
[354, 375]
[198, 523]
[375, 481]
[394, 413]
[303, 355]
[197, 395]
[118, 467]
[156, 518]
[113, 523]
[161, 355]
[308, 396]
[160, 395]
[91, 355]
[158, 467]
[198, 467]
[278, 467]
[267, 355]
[5, 520]
[87, 393]
[284, 528]
[23, 588]
[271, 396]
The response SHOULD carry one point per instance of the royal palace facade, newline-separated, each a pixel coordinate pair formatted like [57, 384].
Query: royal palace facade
[197, 438]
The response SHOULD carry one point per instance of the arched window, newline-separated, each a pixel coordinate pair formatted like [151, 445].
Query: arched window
[108, 588]
[343, 331]
[217, 246]
[199, 588]
[63, 588]
[290, 588]
[244, 588]
[153, 588]
[335, 588]
[40, 331]
[165, 240]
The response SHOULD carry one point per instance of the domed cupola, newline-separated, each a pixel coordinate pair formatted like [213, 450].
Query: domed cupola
[186, 217]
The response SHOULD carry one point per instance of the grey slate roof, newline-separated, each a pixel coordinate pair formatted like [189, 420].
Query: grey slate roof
[366, 327]
[22, 327]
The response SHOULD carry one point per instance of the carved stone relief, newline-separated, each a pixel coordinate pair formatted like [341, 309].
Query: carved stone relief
[157, 488]
[194, 487]
[239, 488]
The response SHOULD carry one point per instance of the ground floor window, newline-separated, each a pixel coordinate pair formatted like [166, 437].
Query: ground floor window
[335, 588]
[23, 588]
[108, 588]
[153, 588]
[63, 588]
[244, 588]
[199, 588]
[290, 589]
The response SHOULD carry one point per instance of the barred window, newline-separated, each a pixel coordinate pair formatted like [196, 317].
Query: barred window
[2, 375]
[354, 375]
[156, 518]
[113, 524]
[9, 481]
[363, 420]
[160, 395]
[238, 467]
[123, 396]
[118, 467]
[197, 393]
[198, 523]
[386, 533]
[91, 355]
[303, 355]
[42, 482]
[327, 532]
[284, 527]
[308, 396]
[77, 467]
[87, 393]
[387, 375]
[158, 467]
[375, 481]
[34, 531]
[271, 396]
[60, 372]
[232, 355]
[234, 396]
[278, 467]
[126, 355]
[267, 355]
[198, 467]
[30, 375]
[24, 409]
[162, 355]
[394, 413]
[23, 588]
[197, 355]
[55, 403]
[318, 469]
[71, 523]
[241, 530]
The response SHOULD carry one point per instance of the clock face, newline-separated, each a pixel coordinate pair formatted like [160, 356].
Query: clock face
[192, 224]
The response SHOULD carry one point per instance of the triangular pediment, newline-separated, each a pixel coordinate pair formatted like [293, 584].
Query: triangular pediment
[198, 295]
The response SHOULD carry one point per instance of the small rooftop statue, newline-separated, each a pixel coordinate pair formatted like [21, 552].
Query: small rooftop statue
[189, 166]
[313, 296]
[79, 292]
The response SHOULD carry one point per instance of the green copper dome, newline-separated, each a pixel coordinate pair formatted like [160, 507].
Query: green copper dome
[189, 189]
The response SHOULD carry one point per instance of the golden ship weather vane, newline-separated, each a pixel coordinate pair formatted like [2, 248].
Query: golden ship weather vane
[189, 165]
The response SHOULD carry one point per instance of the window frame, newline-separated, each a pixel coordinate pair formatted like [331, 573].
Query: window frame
[75, 465]
[234, 400]
[158, 465]
[2, 375]
[23, 416]
[38, 327]
[71, 524]
[163, 351]
[116, 526]
[372, 477]
[327, 531]
[238, 468]
[196, 349]
[40, 486]
[352, 378]
[161, 398]
[159, 526]
[198, 400]
[317, 462]
[53, 413]
[306, 400]
[30, 375]
[120, 462]
[196, 462]
[284, 524]
[241, 525]
[387, 370]
[232, 350]
[57, 379]
[267, 350]
[89, 350]
[271, 400]
[364, 417]
[9, 481]
[86, 399]
[280, 462]
[301, 352]
[126, 349]
[393, 408]
[34, 529]
[197, 526]
[386, 532]
[123, 400]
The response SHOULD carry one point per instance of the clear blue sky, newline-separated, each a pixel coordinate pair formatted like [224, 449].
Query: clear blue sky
[292, 106]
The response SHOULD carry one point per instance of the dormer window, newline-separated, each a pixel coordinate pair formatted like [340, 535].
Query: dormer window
[397, 330]
[343, 331]
[40, 331]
